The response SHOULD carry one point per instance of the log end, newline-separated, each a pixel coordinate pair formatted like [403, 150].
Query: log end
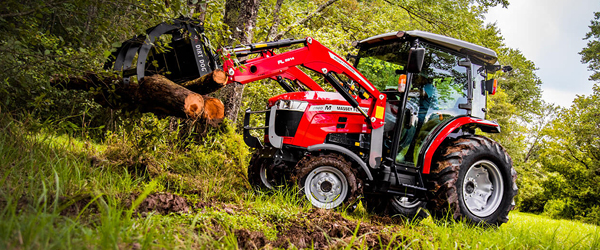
[194, 106]
[213, 109]
[220, 77]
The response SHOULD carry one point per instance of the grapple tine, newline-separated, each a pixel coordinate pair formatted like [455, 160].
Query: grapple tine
[145, 48]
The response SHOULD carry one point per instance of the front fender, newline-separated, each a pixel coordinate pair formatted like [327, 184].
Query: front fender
[442, 134]
[343, 151]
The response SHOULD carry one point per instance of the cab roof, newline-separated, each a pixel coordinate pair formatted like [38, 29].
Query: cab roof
[479, 52]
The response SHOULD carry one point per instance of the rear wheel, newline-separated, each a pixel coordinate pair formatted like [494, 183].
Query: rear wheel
[328, 181]
[474, 181]
[409, 208]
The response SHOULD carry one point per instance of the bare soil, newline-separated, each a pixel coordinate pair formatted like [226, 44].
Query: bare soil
[320, 229]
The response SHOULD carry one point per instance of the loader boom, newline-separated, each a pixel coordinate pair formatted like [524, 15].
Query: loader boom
[313, 56]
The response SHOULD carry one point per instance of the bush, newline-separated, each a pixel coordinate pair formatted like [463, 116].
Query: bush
[555, 208]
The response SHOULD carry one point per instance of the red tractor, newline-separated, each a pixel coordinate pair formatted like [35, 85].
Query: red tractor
[398, 133]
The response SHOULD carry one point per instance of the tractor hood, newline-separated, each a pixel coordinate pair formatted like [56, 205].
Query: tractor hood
[316, 98]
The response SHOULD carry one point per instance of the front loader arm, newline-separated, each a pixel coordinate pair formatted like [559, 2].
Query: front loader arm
[313, 56]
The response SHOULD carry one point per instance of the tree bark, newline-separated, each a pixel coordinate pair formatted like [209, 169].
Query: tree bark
[240, 16]
[208, 83]
[160, 95]
[276, 20]
[199, 8]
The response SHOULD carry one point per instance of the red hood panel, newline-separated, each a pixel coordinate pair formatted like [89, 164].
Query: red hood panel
[316, 98]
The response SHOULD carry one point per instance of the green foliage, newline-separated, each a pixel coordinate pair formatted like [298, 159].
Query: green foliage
[522, 85]
[41, 164]
[41, 40]
[591, 53]
[571, 156]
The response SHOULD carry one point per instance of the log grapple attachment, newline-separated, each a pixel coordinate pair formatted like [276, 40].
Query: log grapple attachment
[177, 49]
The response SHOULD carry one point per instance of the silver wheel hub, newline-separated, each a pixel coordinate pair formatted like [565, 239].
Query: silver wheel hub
[406, 202]
[263, 177]
[326, 187]
[483, 188]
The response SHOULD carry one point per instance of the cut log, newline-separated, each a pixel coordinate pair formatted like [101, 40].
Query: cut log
[155, 94]
[161, 94]
[214, 111]
[208, 83]
[109, 90]
[213, 108]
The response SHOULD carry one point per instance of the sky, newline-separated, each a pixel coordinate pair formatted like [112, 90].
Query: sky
[550, 33]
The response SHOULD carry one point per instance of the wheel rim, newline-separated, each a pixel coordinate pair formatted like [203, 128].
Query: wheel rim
[263, 177]
[406, 202]
[483, 188]
[326, 187]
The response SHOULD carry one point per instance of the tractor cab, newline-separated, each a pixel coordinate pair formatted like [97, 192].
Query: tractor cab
[424, 90]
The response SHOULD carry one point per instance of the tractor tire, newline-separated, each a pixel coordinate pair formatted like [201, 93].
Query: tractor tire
[263, 174]
[375, 204]
[413, 210]
[328, 181]
[473, 181]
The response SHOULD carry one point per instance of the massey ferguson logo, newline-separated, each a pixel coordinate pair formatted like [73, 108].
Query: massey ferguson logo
[285, 60]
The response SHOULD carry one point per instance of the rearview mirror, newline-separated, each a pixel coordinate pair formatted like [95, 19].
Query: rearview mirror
[416, 56]
[490, 86]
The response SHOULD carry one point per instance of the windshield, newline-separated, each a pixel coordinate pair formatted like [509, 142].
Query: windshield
[381, 64]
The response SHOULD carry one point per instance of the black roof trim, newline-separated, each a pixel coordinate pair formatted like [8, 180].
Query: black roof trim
[479, 52]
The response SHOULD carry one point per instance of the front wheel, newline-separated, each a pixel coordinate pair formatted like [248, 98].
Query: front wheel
[328, 181]
[473, 180]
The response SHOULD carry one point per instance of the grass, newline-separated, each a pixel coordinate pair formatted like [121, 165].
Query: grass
[44, 174]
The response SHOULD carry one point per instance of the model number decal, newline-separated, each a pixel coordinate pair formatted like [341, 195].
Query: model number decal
[285, 60]
[336, 108]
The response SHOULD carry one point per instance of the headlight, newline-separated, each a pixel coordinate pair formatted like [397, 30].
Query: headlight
[291, 105]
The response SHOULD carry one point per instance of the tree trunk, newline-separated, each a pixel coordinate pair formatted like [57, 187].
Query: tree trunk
[240, 16]
[160, 95]
[208, 83]
[199, 8]
[276, 20]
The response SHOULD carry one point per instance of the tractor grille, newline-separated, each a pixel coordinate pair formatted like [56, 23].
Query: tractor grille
[286, 122]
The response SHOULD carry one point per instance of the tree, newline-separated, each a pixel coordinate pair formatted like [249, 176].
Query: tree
[571, 156]
[240, 17]
[591, 53]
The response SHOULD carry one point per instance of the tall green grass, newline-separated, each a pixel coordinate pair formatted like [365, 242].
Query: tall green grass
[43, 172]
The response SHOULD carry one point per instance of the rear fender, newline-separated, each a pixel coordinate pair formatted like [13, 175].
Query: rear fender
[440, 135]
